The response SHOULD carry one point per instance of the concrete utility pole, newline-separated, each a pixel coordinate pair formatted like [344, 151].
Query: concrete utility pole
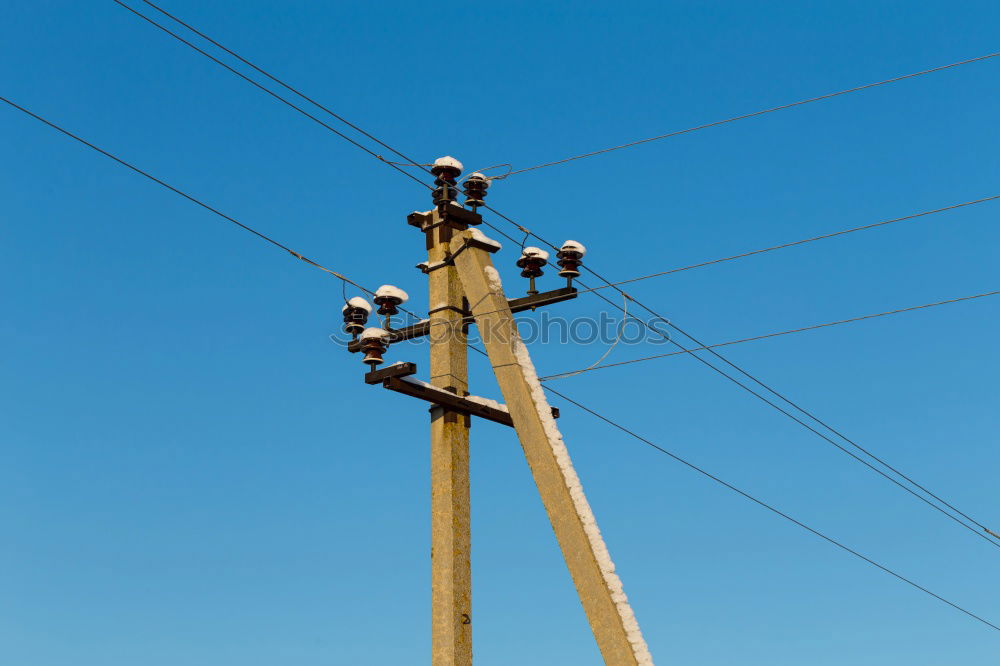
[600, 590]
[451, 573]
[465, 289]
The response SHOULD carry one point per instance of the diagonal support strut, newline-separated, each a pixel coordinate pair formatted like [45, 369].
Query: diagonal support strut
[598, 586]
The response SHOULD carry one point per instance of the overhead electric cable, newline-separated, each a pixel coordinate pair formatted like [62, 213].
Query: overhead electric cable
[187, 196]
[751, 115]
[769, 507]
[275, 95]
[800, 242]
[528, 232]
[817, 420]
[571, 373]
[391, 164]
[285, 101]
[409, 160]
[693, 354]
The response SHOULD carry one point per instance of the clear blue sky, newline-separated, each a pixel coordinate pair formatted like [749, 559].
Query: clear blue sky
[194, 474]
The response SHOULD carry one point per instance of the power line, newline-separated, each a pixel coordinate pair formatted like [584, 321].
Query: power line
[570, 373]
[287, 102]
[769, 507]
[817, 420]
[521, 228]
[820, 535]
[751, 115]
[526, 231]
[344, 278]
[287, 86]
[780, 396]
[748, 254]
[187, 196]
[409, 175]
[782, 246]
[275, 95]
[412, 161]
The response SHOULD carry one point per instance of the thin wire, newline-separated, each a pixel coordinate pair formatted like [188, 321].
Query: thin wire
[782, 397]
[794, 405]
[343, 294]
[490, 168]
[844, 437]
[755, 113]
[802, 423]
[607, 352]
[767, 506]
[275, 95]
[395, 165]
[805, 425]
[521, 228]
[803, 411]
[506, 235]
[423, 166]
[406, 164]
[340, 276]
[293, 106]
[819, 434]
[527, 232]
[290, 104]
[524, 241]
[562, 375]
[410, 161]
[827, 439]
[801, 242]
[187, 196]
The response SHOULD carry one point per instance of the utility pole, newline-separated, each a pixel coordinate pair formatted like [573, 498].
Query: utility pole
[451, 569]
[465, 289]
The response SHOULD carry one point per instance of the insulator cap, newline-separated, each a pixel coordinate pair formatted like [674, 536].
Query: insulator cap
[358, 303]
[532, 260]
[475, 189]
[447, 166]
[389, 298]
[374, 342]
[446, 171]
[355, 313]
[375, 333]
[570, 258]
[535, 253]
[573, 246]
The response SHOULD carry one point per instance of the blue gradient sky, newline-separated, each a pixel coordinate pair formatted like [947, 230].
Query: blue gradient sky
[193, 474]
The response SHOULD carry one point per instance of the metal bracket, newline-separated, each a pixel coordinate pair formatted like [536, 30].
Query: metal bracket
[451, 308]
[539, 300]
[394, 370]
[397, 378]
[430, 268]
[448, 214]
[422, 328]
[447, 261]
